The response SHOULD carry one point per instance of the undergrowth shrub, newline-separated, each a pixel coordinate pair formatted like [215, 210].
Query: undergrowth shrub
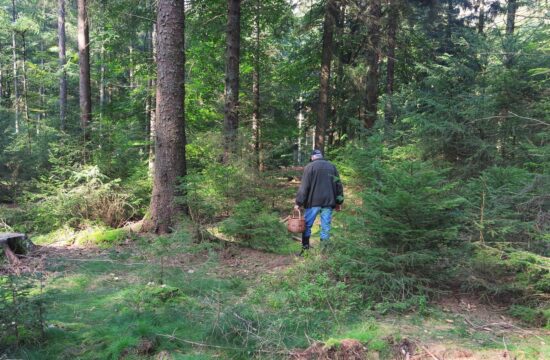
[254, 226]
[402, 241]
[520, 279]
[510, 205]
[22, 310]
[85, 196]
[92, 235]
[212, 192]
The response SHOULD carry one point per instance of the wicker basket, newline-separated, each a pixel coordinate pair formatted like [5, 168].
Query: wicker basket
[296, 224]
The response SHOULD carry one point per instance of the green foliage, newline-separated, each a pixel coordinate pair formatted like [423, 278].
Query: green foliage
[84, 196]
[253, 226]
[215, 190]
[509, 205]
[22, 311]
[531, 316]
[403, 241]
[367, 333]
[510, 276]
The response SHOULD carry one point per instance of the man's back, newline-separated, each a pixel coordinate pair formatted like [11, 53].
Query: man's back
[320, 186]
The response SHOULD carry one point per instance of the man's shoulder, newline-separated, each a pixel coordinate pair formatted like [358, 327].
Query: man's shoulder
[319, 164]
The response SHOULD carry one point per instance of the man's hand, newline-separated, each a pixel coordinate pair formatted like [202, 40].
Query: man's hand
[338, 207]
[296, 207]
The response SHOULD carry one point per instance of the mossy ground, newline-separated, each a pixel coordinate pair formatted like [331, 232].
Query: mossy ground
[202, 301]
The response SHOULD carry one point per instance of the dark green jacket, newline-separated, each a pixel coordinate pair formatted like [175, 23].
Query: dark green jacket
[321, 185]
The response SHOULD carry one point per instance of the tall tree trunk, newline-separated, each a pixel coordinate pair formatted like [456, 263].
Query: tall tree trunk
[152, 108]
[14, 54]
[1, 80]
[1, 85]
[481, 16]
[85, 92]
[131, 67]
[339, 121]
[510, 27]
[393, 21]
[324, 81]
[24, 80]
[101, 67]
[502, 145]
[41, 91]
[61, 39]
[256, 89]
[42, 113]
[170, 129]
[449, 27]
[25, 92]
[374, 16]
[511, 17]
[232, 60]
[300, 129]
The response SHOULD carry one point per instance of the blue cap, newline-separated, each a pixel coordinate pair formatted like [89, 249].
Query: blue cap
[316, 153]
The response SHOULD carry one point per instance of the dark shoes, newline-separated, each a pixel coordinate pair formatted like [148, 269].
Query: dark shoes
[305, 246]
[303, 251]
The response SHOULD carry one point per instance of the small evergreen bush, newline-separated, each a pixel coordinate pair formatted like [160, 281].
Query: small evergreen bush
[212, 192]
[513, 277]
[85, 196]
[510, 205]
[254, 226]
[402, 242]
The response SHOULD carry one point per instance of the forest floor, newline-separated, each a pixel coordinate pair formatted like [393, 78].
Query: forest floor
[131, 302]
[171, 297]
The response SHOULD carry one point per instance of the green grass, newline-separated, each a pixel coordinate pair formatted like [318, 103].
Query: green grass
[367, 333]
[104, 311]
[91, 236]
[107, 306]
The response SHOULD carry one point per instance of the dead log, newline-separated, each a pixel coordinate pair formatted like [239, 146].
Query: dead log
[15, 244]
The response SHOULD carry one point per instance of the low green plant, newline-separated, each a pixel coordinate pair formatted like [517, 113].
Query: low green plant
[100, 236]
[513, 277]
[253, 226]
[22, 311]
[533, 317]
[402, 243]
[508, 205]
[86, 195]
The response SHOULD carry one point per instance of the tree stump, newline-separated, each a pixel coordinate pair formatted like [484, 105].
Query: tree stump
[15, 244]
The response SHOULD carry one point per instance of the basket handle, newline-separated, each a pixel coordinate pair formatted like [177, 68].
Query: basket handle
[299, 213]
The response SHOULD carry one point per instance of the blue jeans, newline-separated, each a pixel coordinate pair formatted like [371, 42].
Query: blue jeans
[326, 218]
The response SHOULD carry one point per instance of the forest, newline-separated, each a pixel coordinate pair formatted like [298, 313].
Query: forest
[151, 152]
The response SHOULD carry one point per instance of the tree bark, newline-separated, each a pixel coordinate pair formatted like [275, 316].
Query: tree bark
[481, 16]
[324, 81]
[170, 128]
[393, 21]
[14, 54]
[85, 95]
[62, 61]
[511, 17]
[232, 56]
[42, 91]
[25, 102]
[152, 108]
[256, 89]
[510, 27]
[24, 81]
[449, 27]
[374, 16]
[1, 85]
[1, 80]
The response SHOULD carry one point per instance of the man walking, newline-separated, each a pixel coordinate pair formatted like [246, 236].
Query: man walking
[320, 192]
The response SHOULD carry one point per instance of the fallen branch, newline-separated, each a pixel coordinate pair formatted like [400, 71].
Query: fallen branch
[172, 337]
[427, 351]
